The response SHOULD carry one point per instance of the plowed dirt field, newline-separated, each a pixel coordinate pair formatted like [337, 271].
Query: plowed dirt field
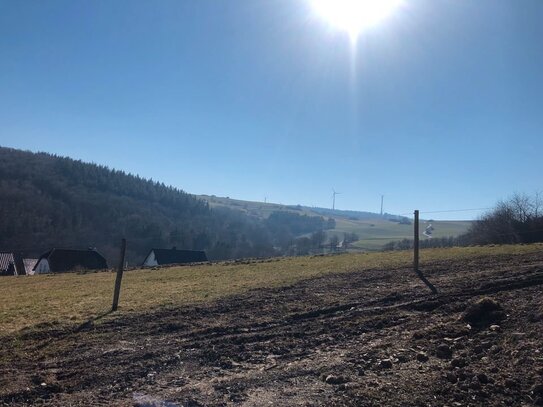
[369, 338]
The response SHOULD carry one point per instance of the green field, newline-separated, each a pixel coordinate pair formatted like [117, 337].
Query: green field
[373, 233]
[74, 298]
[257, 209]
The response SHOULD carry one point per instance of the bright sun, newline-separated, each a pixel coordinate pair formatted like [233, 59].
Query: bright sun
[354, 16]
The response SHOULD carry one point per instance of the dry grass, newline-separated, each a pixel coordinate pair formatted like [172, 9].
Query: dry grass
[75, 298]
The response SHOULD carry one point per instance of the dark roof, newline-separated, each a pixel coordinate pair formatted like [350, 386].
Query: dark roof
[174, 256]
[74, 259]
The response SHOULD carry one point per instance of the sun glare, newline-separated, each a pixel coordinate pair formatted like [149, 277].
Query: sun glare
[354, 16]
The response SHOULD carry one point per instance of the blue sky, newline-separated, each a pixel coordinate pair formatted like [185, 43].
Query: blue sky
[438, 107]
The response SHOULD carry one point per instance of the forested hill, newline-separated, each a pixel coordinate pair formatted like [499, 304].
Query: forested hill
[49, 201]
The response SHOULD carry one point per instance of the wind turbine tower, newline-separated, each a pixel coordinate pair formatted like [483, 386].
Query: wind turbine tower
[334, 198]
[382, 200]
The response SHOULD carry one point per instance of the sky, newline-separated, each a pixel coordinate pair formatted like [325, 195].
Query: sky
[438, 107]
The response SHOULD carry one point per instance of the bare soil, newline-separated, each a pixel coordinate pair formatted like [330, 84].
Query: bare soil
[373, 338]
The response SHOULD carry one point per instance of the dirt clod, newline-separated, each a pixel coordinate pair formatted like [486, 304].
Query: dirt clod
[444, 351]
[483, 378]
[510, 383]
[385, 364]
[422, 357]
[475, 384]
[484, 312]
[537, 390]
[458, 362]
[495, 349]
[333, 379]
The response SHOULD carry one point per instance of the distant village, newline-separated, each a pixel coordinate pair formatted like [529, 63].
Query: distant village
[58, 260]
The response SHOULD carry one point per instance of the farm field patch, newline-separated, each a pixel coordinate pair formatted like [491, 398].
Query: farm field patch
[349, 332]
[74, 298]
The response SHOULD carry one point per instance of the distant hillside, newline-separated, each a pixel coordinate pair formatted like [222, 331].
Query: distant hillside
[253, 208]
[264, 209]
[372, 230]
[354, 215]
[49, 201]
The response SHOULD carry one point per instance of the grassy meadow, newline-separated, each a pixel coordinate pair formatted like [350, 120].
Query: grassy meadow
[258, 209]
[373, 233]
[75, 298]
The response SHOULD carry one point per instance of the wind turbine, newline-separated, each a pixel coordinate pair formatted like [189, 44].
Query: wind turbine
[334, 198]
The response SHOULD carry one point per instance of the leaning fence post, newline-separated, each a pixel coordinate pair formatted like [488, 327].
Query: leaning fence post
[416, 243]
[119, 277]
[416, 255]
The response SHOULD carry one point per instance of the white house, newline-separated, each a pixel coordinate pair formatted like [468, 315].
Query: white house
[158, 257]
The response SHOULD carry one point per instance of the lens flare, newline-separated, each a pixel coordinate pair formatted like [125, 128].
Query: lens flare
[354, 16]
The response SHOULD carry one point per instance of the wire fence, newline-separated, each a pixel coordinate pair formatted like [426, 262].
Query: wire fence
[447, 211]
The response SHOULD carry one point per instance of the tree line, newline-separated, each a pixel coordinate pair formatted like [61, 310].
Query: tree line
[516, 220]
[50, 201]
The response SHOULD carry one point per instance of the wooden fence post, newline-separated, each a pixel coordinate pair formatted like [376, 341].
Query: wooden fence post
[119, 277]
[416, 243]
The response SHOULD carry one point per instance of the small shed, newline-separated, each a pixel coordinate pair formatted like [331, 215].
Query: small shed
[160, 257]
[66, 260]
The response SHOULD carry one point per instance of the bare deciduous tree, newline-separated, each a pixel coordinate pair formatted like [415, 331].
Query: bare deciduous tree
[517, 220]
